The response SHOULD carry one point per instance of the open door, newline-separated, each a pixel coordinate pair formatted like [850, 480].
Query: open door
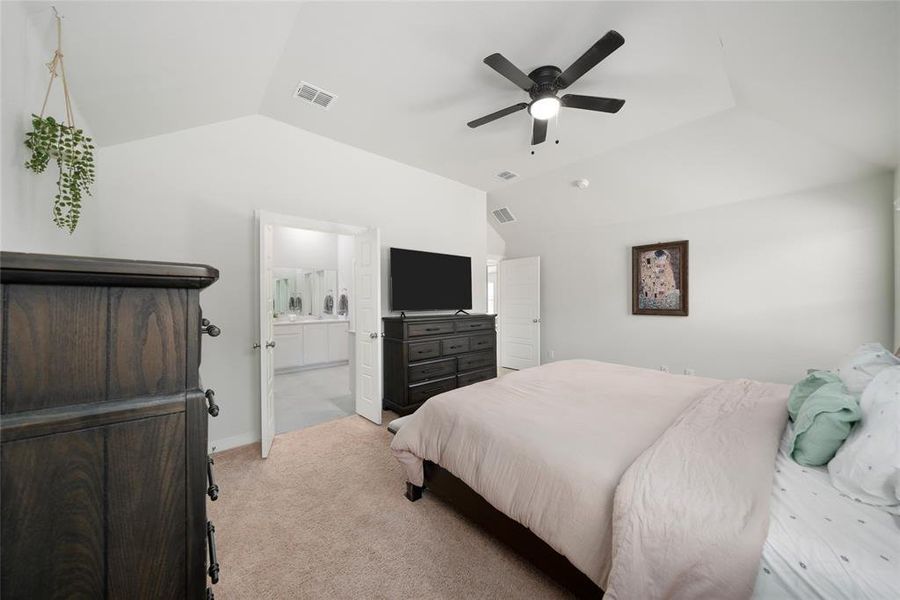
[266, 342]
[520, 312]
[367, 262]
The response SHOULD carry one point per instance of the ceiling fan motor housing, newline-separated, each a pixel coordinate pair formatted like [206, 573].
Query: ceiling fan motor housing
[545, 79]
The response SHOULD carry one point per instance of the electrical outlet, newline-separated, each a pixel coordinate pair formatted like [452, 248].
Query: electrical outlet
[664, 369]
[552, 354]
[690, 372]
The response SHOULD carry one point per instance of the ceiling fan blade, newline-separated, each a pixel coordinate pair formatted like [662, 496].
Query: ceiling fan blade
[609, 105]
[605, 46]
[499, 63]
[496, 115]
[539, 133]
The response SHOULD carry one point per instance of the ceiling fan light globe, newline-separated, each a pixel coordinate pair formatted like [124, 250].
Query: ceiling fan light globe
[544, 108]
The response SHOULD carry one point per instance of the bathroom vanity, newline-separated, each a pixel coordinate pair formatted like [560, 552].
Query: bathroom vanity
[311, 343]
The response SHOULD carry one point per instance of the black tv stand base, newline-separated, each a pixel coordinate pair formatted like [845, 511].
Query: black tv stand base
[460, 312]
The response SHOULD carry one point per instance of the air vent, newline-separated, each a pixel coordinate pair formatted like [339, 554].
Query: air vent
[507, 175]
[314, 95]
[503, 215]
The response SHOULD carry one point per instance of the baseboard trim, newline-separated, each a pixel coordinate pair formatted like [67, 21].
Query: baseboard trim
[234, 441]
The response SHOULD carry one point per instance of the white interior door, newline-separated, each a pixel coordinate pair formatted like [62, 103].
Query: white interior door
[367, 290]
[520, 312]
[266, 337]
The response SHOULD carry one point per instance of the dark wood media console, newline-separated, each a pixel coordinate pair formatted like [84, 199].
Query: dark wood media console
[426, 356]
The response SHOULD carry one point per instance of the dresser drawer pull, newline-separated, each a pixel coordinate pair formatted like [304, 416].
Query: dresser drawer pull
[209, 329]
[422, 351]
[211, 545]
[213, 490]
[432, 329]
[455, 347]
[213, 409]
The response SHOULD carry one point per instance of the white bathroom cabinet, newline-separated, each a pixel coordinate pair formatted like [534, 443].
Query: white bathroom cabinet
[311, 343]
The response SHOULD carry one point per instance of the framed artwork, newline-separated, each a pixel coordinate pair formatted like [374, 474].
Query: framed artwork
[659, 279]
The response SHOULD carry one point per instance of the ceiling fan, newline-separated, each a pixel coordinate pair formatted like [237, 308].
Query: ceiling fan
[543, 83]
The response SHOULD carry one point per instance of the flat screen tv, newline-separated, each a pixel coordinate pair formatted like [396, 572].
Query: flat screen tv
[429, 281]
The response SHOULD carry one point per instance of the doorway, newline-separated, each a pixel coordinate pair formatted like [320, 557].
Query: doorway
[519, 302]
[319, 317]
[312, 273]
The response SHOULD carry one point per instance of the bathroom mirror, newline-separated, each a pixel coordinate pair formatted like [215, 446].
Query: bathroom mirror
[309, 292]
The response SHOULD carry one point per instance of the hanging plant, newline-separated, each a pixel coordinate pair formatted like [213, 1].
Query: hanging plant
[65, 144]
[73, 153]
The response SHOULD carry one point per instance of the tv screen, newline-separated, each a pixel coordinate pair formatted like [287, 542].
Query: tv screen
[429, 281]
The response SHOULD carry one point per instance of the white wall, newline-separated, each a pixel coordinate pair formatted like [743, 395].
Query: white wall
[777, 285]
[26, 45]
[189, 196]
[496, 246]
[897, 258]
[303, 248]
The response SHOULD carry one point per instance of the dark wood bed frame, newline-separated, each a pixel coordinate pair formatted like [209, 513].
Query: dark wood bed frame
[516, 536]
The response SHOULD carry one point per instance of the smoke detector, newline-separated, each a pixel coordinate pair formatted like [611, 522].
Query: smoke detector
[503, 215]
[313, 94]
[581, 184]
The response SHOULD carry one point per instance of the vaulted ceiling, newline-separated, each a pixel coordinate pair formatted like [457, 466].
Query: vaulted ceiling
[770, 79]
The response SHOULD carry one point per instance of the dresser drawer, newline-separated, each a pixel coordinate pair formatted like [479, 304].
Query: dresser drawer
[423, 391]
[424, 350]
[482, 342]
[454, 346]
[432, 369]
[475, 376]
[474, 325]
[477, 360]
[431, 328]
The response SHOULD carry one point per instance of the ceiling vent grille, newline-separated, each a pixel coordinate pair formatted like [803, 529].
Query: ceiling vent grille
[507, 175]
[503, 215]
[314, 95]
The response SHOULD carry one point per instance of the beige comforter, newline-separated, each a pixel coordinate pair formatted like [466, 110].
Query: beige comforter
[693, 510]
[548, 446]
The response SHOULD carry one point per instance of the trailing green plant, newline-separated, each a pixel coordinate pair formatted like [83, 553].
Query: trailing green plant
[73, 152]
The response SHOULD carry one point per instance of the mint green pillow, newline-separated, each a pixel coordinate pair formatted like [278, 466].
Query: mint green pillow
[822, 424]
[803, 390]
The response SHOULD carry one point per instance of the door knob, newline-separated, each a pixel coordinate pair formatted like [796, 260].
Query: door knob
[373, 335]
[256, 346]
[270, 344]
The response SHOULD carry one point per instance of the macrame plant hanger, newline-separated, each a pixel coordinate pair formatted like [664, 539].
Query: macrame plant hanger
[57, 68]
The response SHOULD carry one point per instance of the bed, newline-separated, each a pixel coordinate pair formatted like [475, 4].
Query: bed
[596, 509]
[822, 543]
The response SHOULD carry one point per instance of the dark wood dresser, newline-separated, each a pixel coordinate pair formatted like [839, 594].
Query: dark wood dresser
[104, 473]
[425, 356]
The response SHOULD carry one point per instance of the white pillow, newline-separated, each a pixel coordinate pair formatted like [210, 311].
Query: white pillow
[867, 466]
[867, 361]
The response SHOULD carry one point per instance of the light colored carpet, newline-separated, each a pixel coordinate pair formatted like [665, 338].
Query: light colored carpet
[324, 517]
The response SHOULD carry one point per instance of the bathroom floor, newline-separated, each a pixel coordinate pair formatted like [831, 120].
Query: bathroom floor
[307, 398]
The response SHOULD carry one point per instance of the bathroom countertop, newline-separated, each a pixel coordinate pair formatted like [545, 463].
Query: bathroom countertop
[311, 321]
